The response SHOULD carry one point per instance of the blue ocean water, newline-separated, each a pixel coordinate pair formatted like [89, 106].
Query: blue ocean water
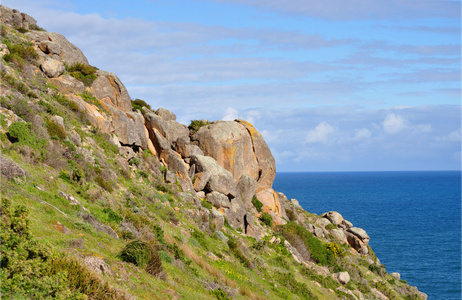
[413, 219]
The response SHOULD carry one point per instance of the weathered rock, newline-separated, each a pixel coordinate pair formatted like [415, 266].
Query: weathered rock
[70, 54]
[339, 235]
[129, 127]
[218, 219]
[58, 120]
[350, 293]
[201, 180]
[166, 114]
[93, 114]
[195, 150]
[230, 145]
[108, 85]
[175, 164]
[270, 199]
[295, 254]
[356, 243]
[343, 277]
[176, 131]
[48, 47]
[52, 68]
[334, 217]
[347, 224]
[222, 236]
[396, 275]
[218, 200]
[359, 232]
[68, 85]
[126, 152]
[153, 121]
[97, 265]
[159, 142]
[221, 180]
[247, 187]
[318, 232]
[10, 169]
[15, 18]
[181, 146]
[295, 203]
[265, 160]
[323, 222]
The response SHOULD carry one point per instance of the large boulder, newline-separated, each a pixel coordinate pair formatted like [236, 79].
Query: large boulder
[128, 126]
[262, 153]
[93, 114]
[247, 186]
[270, 199]
[68, 52]
[68, 85]
[13, 17]
[221, 180]
[230, 145]
[166, 114]
[358, 239]
[239, 148]
[52, 68]
[334, 217]
[108, 85]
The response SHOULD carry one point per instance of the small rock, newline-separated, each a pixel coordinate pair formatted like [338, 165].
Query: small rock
[61, 228]
[343, 277]
[222, 236]
[272, 239]
[396, 275]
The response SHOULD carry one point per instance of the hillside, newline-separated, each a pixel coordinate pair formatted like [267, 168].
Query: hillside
[104, 197]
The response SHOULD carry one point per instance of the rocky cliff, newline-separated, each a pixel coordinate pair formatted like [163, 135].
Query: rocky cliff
[93, 165]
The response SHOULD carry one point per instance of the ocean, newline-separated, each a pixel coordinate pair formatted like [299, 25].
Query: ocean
[412, 218]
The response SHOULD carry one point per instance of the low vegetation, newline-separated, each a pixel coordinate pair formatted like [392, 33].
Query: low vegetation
[85, 222]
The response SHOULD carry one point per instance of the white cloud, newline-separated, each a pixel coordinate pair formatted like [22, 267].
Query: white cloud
[230, 114]
[394, 123]
[320, 134]
[361, 134]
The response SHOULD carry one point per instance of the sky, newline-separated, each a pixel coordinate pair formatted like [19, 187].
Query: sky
[332, 85]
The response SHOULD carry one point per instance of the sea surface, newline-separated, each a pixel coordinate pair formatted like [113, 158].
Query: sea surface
[412, 218]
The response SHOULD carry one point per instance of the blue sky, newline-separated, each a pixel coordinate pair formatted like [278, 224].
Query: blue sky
[332, 85]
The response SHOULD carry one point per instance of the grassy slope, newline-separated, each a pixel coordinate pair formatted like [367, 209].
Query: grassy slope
[197, 264]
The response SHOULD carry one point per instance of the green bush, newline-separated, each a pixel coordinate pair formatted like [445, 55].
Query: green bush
[331, 226]
[143, 255]
[266, 219]
[104, 183]
[234, 248]
[29, 270]
[196, 125]
[20, 53]
[258, 205]
[220, 294]
[138, 104]
[83, 72]
[319, 251]
[55, 130]
[20, 132]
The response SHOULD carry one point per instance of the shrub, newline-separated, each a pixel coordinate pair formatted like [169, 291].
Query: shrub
[138, 104]
[331, 226]
[335, 249]
[143, 255]
[258, 205]
[234, 247]
[20, 132]
[29, 270]
[266, 219]
[196, 125]
[319, 252]
[104, 183]
[83, 72]
[55, 130]
[20, 53]
[220, 294]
